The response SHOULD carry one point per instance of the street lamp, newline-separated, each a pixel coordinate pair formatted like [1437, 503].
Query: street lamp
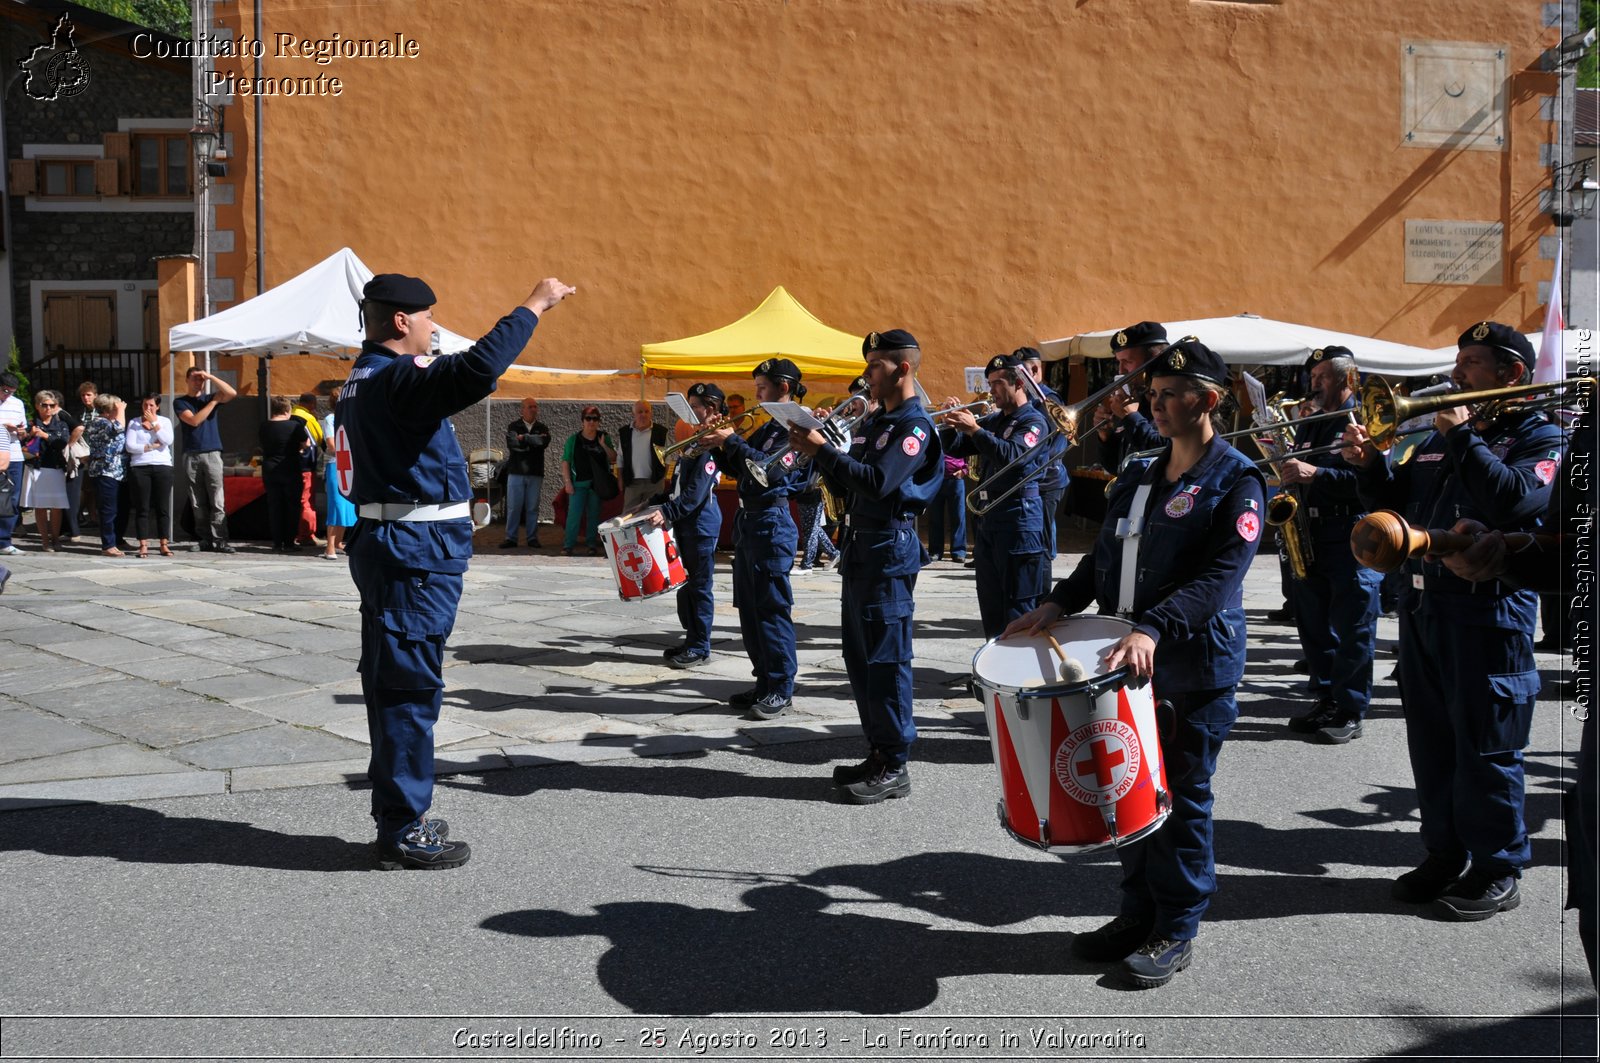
[1576, 200]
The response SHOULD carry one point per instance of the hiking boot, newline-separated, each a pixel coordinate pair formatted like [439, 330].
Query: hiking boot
[421, 848]
[881, 785]
[687, 659]
[845, 774]
[1156, 961]
[769, 707]
[1426, 883]
[1324, 714]
[1114, 941]
[1340, 731]
[743, 699]
[1478, 894]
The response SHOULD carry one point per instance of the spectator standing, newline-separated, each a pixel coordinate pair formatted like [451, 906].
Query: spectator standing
[341, 511]
[44, 486]
[202, 457]
[76, 496]
[149, 446]
[106, 434]
[526, 440]
[13, 430]
[283, 445]
[642, 473]
[949, 509]
[585, 461]
[304, 411]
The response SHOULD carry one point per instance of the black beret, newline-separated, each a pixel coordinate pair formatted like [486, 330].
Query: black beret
[1145, 332]
[1190, 357]
[892, 340]
[1027, 354]
[858, 385]
[1501, 338]
[1322, 354]
[778, 369]
[708, 393]
[400, 291]
[1002, 361]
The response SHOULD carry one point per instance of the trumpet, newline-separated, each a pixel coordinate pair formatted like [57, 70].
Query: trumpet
[836, 427]
[980, 407]
[1063, 422]
[667, 455]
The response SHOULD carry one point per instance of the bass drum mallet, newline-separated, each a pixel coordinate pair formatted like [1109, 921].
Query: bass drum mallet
[1382, 541]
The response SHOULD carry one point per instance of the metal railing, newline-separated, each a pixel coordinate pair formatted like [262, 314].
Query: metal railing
[125, 373]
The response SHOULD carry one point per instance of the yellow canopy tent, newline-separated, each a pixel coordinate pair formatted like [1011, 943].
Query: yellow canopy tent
[779, 328]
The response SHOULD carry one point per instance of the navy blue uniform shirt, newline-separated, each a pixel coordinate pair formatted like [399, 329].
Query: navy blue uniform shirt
[1001, 439]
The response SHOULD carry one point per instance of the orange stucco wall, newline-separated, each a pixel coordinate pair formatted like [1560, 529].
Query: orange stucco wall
[983, 172]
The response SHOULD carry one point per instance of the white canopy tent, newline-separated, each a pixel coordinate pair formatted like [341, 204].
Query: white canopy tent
[1246, 339]
[318, 312]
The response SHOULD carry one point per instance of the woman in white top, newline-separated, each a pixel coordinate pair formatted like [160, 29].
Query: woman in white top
[150, 457]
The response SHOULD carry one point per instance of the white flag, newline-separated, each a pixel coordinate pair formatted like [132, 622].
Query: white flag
[1552, 362]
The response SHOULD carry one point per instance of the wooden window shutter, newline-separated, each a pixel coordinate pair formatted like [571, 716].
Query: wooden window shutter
[105, 177]
[24, 177]
[117, 147]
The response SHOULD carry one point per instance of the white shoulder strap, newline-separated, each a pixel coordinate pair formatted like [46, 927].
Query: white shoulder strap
[1129, 530]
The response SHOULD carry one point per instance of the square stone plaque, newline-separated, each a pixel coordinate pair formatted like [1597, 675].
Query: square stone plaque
[1453, 94]
[1454, 252]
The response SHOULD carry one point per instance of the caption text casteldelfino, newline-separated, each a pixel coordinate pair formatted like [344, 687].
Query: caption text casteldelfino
[318, 50]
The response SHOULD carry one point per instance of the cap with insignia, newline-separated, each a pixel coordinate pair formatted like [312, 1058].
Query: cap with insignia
[894, 339]
[1002, 361]
[1140, 335]
[1027, 354]
[778, 369]
[1190, 357]
[1322, 354]
[399, 291]
[708, 393]
[858, 385]
[1501, 338]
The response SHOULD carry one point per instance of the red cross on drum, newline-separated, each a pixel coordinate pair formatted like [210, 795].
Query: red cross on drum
[644, 560]
[1078, 762]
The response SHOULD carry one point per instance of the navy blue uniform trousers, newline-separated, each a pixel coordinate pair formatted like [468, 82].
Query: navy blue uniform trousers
[696, 603]
[1468, 693]
[1171, 874]
[1336, 609]
[763, 556]
[875, 628]
[406, 616]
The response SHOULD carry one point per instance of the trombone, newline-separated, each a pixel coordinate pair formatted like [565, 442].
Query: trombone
[690, 444]
[1381, 411]
[836, 428]
[1063, 422]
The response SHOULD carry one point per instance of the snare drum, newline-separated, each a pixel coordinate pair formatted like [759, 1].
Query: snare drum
[644, 560]
[1079, 762]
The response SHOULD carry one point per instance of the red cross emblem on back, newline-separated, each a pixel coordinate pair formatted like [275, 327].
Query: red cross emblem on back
[344, 463]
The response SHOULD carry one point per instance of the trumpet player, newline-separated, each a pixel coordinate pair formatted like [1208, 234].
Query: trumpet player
[696, 521]
[1052, 484]
[1336, 605]
[1010, 538]
[890, 474]
[1467, 675]
[1126, 427]
[764, 543]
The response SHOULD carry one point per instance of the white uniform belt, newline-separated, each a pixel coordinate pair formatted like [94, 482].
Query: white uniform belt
[407, 511]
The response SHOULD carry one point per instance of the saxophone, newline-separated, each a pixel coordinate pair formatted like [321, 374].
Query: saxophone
[1284, 511]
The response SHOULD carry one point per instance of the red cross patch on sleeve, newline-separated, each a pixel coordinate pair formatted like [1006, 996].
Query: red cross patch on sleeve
[1032, 437]
[1248, 525]
[911, 445]
[1546, 470]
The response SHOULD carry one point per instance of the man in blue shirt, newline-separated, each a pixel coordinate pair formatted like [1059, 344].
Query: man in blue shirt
[398, 453]
[202, 457]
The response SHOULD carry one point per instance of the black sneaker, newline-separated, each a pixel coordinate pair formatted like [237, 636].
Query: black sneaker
[224, 548]
[1477, 895]
[743, 699]
[422, 849]
[1340, 731]
[882, 785]
[1114, 941]
[674, 649]
[1302, 666]
[687, 659]
[1428, 882]
[1156, 961]
[1282, 615]
[508, 544]
[769, 707]
[1324, 714]
[845, 774]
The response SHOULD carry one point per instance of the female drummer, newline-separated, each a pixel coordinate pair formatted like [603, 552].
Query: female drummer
[1186, 526]
[696, 521]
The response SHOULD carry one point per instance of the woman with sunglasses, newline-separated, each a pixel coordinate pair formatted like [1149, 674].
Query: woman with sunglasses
[1199, 505]
[44, 487]
[149, 444]
[586, 458]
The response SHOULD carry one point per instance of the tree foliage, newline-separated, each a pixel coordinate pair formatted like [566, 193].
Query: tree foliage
[169, 16]
[1589, 69]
